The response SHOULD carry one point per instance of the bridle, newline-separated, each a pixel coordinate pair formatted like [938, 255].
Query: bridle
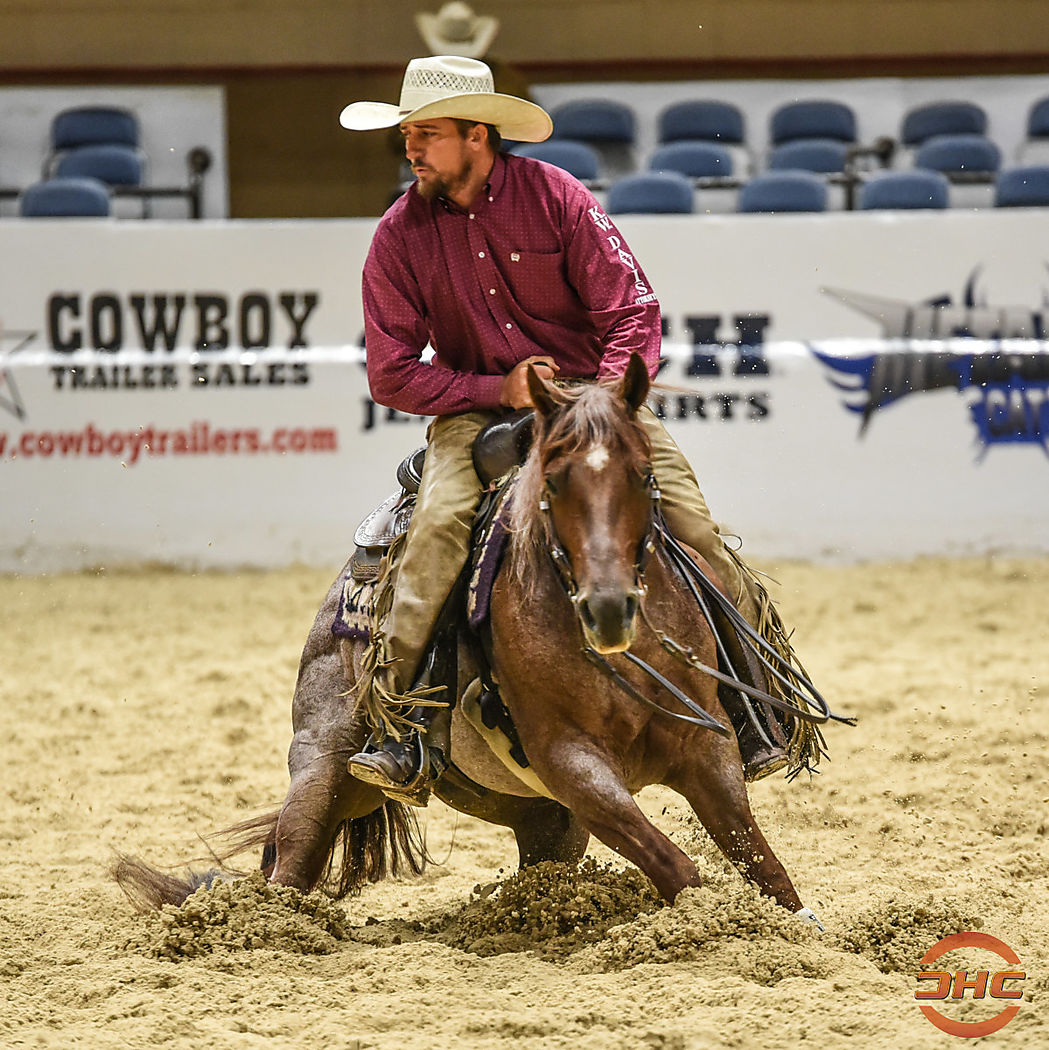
[811, 706]
[646, 548]
[563, 562]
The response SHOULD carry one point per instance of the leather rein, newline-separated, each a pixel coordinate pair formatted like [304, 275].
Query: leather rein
[810, 705]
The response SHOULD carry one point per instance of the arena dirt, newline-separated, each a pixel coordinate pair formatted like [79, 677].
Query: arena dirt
[143, 710]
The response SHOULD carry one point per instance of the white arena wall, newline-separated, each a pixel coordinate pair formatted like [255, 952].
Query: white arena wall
[194, 393]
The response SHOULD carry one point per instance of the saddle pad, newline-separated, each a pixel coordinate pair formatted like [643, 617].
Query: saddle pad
[503, 747]
[353, 617]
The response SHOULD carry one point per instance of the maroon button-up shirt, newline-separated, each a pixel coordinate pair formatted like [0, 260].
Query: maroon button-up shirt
[534, 266]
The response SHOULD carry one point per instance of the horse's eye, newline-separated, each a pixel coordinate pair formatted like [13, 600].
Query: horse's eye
[551, 486]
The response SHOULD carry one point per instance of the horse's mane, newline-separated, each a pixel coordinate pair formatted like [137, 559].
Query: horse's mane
[588, 416]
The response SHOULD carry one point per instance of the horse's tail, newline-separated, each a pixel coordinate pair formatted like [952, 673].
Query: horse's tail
[149, 888]
[386, 842]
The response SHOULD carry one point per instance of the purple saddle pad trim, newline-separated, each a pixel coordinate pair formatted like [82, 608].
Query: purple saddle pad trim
[486, 569]
[353, 616]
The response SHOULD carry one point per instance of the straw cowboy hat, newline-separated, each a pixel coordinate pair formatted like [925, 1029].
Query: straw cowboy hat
[456, 30]
[452, 86]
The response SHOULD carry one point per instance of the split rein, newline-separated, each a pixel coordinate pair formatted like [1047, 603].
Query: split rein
[811, 706]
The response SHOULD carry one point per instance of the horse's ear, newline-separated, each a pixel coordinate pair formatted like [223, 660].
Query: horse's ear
[636, 383]
[542, 394]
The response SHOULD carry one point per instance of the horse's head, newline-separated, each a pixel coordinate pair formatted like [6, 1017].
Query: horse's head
[591, 464]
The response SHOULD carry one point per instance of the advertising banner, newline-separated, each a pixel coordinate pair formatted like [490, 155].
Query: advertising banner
[195, 394]
[826, 450]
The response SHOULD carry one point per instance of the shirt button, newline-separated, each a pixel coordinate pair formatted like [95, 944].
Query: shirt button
[491, 291]
[480, 255]
[471, 215]
[509, 325]
[490, 199]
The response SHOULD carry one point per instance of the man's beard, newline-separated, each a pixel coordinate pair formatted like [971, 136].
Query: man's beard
[443, 186]
[430, 191]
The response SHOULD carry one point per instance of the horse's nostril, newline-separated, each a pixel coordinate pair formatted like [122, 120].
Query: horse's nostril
[586, 614]
[608, 616]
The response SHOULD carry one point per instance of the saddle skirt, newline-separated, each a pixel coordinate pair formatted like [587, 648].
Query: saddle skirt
[388, 523]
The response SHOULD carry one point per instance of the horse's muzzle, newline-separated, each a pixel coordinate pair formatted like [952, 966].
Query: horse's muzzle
[608, 619]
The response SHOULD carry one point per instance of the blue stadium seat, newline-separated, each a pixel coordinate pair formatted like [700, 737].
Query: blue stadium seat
[65, 198]
[706, 119]
[942, 118]
[654, 192]
[967, 154]
[594, 119]
[694, 159]
[784, 191]
[114, 165]
[905, 190]
[825, 156]
[577, 158]
[1024, 187]
[1035, 147]
[94, 126]
[812, 119]
[609, 126]
[1038, 119]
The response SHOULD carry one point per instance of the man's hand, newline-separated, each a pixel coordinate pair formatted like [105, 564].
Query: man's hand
[515, 393]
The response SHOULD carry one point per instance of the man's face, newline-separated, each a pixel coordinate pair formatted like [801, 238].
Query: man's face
[441, 159]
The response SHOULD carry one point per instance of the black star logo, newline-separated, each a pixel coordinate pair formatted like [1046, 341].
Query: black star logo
[10, 398]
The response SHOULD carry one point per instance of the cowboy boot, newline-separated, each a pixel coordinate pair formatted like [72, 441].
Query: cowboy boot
[762, 744]
[760, 758]
[405, 768]
[762, 750]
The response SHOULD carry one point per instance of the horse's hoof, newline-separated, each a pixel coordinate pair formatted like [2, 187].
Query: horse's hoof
[764, 763]
[808, 915]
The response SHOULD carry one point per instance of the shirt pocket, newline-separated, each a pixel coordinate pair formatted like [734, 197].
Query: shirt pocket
[537, 282]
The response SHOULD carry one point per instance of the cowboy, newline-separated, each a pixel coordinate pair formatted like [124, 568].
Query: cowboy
[495, 262]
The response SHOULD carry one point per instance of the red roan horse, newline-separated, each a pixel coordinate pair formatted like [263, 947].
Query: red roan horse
[593, 739]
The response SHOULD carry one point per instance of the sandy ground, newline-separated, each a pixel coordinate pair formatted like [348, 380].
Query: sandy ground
[143, 710]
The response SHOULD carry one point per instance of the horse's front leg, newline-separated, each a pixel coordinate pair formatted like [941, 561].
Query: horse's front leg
[586, 781]
[716, 791]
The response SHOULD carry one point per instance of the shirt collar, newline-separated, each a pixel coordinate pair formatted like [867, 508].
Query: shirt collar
[497, 178]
